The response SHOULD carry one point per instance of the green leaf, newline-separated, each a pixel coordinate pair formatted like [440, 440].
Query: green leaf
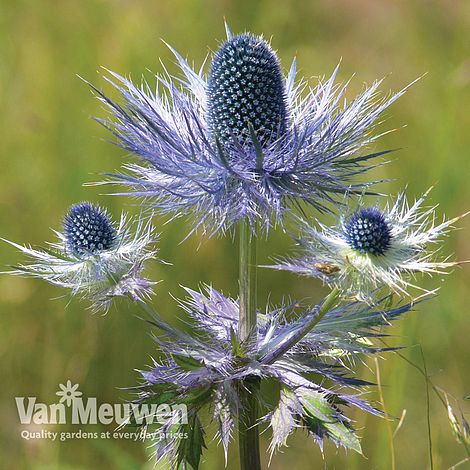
[237, 349]
[319, 414]
[197, 398]
[167, 396]
[187, 362]
[283, 420]
[190, 449]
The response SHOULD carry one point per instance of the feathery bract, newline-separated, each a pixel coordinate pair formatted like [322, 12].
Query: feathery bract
[243, 143]
[93, 258]
[373, 249]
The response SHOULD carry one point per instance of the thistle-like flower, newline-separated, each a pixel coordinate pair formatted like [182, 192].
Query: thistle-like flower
[94, 258]
[206, 370]
[245, 142]
[373, 249]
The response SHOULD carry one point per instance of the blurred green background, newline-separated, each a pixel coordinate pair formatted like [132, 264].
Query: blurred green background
[49, 146]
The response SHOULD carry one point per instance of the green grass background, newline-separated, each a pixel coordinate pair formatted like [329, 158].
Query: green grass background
[49, 146]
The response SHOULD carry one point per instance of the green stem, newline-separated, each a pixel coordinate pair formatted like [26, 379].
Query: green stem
[328, 304]
[384, 409]
[248, 418]
[438, 391]
[247, 273]
[428, 410]
[274, 353]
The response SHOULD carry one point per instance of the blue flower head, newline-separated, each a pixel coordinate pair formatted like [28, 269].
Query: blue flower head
[88, 230]
[368, 231]
[373, 250]
[243, 143]
[246, 88]
[94, 258]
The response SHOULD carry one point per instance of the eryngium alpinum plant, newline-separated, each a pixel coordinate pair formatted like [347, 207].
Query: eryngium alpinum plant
[242, 148]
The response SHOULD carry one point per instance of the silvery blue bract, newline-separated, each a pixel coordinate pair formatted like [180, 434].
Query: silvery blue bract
[244, 143]
[372, 250]
[93, 258]
[206, 369]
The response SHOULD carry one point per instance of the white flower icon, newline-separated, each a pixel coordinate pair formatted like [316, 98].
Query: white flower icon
[68, 393]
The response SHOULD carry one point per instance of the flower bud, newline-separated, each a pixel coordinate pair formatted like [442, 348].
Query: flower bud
[368, 231]
[88, 230]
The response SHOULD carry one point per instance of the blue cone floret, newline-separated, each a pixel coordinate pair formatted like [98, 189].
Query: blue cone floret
[88, 230]
[373, 250]
[205, 370]
[368, 231]
[246, 87]
[295, 144]
[95, 259]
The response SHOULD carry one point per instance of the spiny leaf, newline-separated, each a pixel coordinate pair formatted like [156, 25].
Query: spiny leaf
[186, 362]
[190, 449]
[238, 350]
[224, 418]
[157, 398]
[283, 419]
[197, 397]
[320, 417]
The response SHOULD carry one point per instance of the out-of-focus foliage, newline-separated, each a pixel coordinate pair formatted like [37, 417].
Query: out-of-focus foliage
[49, 146]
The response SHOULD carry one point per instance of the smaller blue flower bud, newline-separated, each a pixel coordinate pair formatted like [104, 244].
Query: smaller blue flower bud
[88, 230]
[368, 231]
[246, 87]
